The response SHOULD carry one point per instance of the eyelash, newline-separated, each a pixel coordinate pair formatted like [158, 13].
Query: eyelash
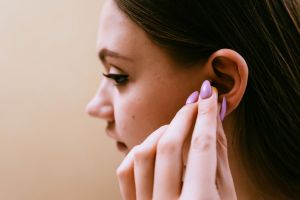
[119, 79]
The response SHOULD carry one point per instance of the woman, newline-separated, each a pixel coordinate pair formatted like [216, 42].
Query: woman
[243, 58]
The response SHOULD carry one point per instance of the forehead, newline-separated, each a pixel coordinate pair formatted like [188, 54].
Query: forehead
[117, 32]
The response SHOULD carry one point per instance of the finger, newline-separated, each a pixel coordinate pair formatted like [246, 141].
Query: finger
[144, 161]
[126, 174]
[224, 178]
[168, 166]
[202, 159]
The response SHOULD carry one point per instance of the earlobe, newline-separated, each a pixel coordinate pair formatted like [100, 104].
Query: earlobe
[229, 75]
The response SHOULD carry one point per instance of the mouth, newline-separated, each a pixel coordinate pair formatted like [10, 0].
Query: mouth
[121, 146]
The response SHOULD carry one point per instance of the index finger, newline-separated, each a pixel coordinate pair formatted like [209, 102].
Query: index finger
[202, 159]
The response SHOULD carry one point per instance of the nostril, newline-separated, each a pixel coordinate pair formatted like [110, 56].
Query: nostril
[106, 112]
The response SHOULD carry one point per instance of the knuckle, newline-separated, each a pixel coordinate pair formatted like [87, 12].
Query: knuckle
[205, 108]
[166, 146]
[125, 168]
[183, 111]
[141, 154]
[122, 172]
[202, 142]
[135, 149]
[164, 127]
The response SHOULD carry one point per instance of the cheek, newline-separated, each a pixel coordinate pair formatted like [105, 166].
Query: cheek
[146, 106]
[137, 117]
[131, 119]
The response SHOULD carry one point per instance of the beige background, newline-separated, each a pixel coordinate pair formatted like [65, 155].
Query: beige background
[49, 148]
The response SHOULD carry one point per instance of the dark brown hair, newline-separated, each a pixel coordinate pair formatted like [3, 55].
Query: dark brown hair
[267, 34]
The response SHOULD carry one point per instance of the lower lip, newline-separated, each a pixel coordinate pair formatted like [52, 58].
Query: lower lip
[121, 146]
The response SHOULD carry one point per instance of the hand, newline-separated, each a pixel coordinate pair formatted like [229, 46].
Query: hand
[154, 169]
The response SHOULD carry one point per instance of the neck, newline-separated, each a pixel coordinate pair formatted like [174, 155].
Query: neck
[243, 186]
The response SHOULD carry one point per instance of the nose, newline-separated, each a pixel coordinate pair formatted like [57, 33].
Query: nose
[100, 105]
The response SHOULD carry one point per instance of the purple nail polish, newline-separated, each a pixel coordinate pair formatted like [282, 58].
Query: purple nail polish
[206, 90]
[192, 98]
[223, 109]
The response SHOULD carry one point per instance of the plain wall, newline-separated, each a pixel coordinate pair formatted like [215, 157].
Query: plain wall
[50, 149]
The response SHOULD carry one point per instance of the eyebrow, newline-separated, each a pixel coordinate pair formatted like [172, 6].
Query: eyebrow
[108, 53]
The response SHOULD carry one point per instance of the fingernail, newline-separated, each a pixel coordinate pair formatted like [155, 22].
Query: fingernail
[192, 98]
[223, 109]
[214, 89]
[206, 90]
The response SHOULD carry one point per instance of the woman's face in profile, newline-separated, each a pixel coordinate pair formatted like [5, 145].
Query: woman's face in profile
[156, 86]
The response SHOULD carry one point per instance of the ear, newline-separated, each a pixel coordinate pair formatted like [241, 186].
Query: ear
[228, 72]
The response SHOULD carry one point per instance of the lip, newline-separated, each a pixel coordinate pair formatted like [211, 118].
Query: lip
[109, 131]
[110, 134]
[121, 146]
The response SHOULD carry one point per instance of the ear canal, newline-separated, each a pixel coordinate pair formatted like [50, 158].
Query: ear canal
[222, 87]
[222, 81]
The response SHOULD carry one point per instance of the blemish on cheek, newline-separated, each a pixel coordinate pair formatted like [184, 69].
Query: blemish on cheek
[132, 117]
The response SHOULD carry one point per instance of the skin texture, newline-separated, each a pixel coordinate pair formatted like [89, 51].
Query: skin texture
[157, 88]
[156, 83]
[203, 178]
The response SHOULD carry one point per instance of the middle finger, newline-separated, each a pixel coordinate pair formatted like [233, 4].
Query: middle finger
[167, 183]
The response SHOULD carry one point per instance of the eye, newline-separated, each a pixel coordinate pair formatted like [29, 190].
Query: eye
[117, 75]
[120, 79]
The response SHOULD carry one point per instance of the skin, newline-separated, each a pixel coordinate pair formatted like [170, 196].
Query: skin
[156, 83]
[154, 96]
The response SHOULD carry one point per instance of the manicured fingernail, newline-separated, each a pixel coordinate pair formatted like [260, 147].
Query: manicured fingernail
[192, 98]
[206, 90]
[223, 109]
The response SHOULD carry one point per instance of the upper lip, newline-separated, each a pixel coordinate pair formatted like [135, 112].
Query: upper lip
[110, 134]
[109, 131]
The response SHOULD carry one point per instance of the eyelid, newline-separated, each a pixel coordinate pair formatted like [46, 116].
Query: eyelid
[116, 78]
[111, 75]
[113, 69]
